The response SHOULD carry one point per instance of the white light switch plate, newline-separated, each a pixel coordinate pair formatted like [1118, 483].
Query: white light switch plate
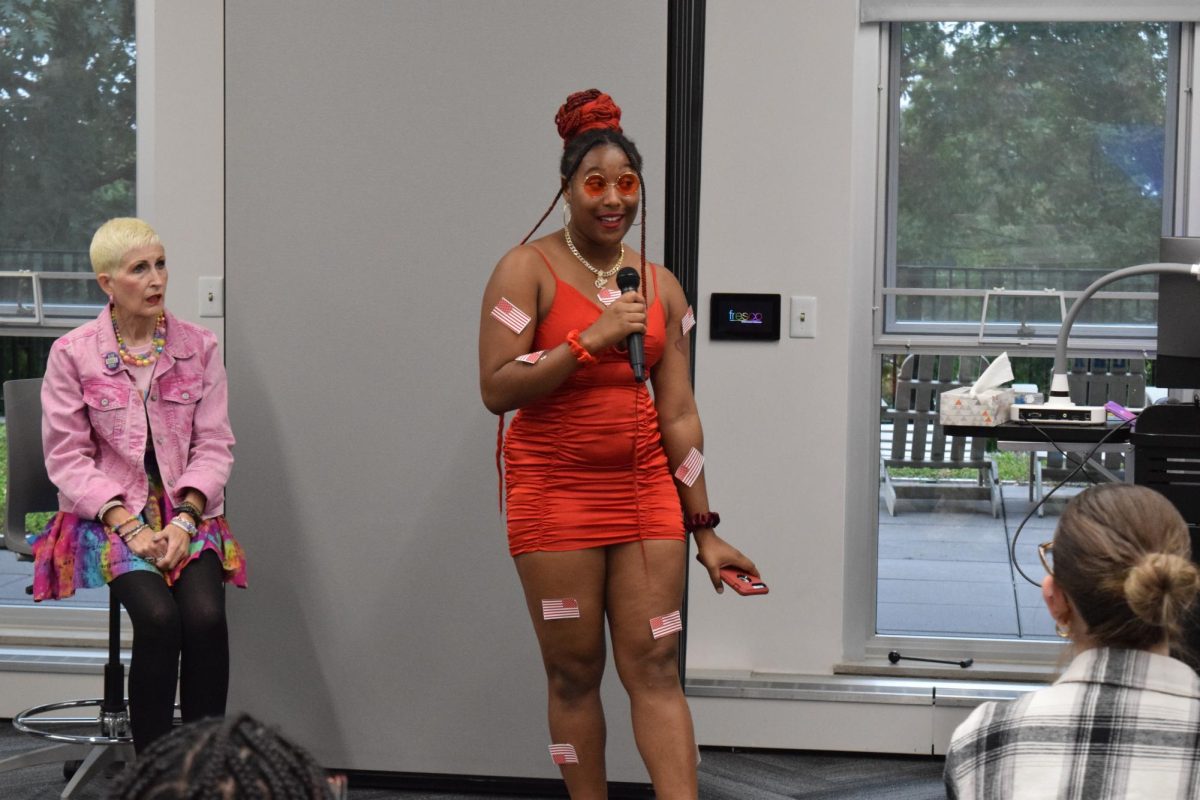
[803, 317]
[212, 297]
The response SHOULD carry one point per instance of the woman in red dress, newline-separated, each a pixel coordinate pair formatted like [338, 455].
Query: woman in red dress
[603, 481]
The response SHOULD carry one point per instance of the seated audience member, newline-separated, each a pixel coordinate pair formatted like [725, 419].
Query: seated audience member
[1123, 721]
[235, 759]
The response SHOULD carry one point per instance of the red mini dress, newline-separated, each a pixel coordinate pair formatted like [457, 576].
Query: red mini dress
[584, 465]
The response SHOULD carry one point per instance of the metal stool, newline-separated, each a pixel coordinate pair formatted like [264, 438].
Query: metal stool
[111, 742]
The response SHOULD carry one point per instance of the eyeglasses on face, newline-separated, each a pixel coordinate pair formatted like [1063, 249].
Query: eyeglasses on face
[1046, 554]
[627, 184]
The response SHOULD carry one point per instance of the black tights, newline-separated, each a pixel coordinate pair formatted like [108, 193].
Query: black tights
[179, 633]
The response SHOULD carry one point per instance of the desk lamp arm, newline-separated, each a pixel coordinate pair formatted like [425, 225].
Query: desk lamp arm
[1060, 394]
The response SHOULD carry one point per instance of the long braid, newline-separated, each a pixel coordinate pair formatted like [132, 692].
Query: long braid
[543, 217]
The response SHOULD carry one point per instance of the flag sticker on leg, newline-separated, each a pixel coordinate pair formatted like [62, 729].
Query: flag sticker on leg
[689, 320]
[689, 470]
[565, 608]
[608, 296]
[513, 318]
[531, 358]
[563, 754]
[665, 625]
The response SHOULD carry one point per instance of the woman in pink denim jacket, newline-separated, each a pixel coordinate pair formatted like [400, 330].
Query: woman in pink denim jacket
[136, 435]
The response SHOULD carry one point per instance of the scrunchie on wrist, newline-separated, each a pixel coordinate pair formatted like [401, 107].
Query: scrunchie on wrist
[578, 350]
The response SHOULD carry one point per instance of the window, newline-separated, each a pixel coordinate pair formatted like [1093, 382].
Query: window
[1031, 158]
[1024, 160]
[67, 162]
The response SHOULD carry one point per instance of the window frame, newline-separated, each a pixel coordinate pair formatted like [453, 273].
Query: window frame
[1181, 193]
[1108, 340]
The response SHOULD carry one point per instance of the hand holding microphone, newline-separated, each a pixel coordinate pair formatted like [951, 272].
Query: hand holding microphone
[627, 281]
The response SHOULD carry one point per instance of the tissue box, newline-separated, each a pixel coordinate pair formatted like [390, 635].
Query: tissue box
[989, 407]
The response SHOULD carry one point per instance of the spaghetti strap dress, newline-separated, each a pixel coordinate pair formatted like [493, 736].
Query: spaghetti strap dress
[584, 466]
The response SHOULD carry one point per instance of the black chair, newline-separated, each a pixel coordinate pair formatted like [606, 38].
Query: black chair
[108, 738]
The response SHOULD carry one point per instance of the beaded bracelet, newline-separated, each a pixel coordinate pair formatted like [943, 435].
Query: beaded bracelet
[125, 537]
[185, 526]
[699, 520]
[188, 508]
[117, 528]
[578, 350]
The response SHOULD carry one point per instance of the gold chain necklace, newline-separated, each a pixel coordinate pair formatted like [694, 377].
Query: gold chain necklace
[602, 276]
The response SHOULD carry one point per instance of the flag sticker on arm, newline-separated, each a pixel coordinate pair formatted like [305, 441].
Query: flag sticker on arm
[531, 358]
[608, 296]
[665, 625]
[566, 608]
[689, 470]
[563, 754]
[513, 318]
[689, 320]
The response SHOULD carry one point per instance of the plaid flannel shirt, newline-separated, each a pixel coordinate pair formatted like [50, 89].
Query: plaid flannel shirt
[1117, 724]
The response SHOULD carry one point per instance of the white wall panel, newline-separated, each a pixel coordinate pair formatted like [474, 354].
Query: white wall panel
[381, 157]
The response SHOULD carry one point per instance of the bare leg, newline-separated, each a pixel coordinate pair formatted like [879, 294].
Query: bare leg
[573, 653]
[645, 580]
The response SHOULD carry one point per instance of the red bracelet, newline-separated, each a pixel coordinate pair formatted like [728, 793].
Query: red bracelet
[706, 519]
[578, 350]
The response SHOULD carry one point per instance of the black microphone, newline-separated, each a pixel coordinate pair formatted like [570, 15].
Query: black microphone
[627, 281]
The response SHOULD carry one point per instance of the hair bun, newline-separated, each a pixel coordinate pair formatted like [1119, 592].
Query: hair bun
[588, 110]
[1160, 587]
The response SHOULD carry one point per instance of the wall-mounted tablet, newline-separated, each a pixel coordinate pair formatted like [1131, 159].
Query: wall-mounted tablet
[752, 317]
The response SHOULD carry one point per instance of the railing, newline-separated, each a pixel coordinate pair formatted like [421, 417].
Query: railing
[1067, 279]
[44, 260]
[48, 299]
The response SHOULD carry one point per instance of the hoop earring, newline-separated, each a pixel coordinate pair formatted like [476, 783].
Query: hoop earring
[566, 214]
[1063, 633]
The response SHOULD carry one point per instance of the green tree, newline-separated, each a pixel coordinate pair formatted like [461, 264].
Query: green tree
[1031, 144]
[67, 120]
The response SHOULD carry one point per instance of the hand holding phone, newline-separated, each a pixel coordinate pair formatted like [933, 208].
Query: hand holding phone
[743, 582]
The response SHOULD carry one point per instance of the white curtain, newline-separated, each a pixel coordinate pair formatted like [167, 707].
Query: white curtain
[1030, 10]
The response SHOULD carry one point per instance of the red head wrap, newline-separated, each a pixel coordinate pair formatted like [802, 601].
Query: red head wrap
[585, 111]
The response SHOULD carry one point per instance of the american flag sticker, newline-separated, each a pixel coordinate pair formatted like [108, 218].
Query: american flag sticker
[513, 318]
[531, 358]
[608, 296]
[665, 625]
[566, 608]
[689, 320]
[689, 470]
[563, 754]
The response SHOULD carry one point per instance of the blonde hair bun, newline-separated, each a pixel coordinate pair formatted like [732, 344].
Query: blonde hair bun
[1160, 587]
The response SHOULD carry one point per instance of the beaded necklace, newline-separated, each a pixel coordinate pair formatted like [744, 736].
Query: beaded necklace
[158, 340]
[602, 276]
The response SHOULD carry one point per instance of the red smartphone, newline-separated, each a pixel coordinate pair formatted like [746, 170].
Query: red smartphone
[743, 582]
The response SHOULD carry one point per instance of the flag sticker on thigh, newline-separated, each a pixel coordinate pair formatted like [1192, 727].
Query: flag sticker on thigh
[665, 625]
[563, 754]
[513, 318]
[689, 470]
[565, 608]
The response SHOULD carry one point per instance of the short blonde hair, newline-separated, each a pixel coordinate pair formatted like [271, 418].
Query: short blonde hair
[117, 237]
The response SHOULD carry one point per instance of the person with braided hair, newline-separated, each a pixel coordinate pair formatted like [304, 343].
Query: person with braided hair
[602, 480]
[235, 759]
[1123, 720]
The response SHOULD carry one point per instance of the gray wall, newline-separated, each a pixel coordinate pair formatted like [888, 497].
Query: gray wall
[380, 158]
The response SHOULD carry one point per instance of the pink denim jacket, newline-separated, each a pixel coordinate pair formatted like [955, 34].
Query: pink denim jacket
[94, 419]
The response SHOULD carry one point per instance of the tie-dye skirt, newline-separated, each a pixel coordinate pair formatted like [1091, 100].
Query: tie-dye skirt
[74, 553]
